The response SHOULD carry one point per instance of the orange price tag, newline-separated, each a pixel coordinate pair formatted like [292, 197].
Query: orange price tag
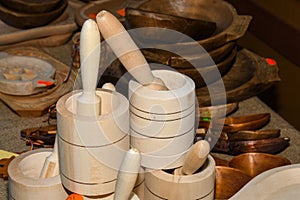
[75, 197]
[92, 15]
[122, 12]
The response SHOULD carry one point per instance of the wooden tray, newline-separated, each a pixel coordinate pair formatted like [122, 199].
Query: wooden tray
[64, 24]
[37, 104]
[250, 75]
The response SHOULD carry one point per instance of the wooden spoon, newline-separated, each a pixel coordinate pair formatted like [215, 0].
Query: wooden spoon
[88, 103]
[127, 51]
[195, 158]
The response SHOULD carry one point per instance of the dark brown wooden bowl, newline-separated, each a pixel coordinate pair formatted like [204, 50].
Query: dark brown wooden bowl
[229, 181]
[30, 20]
[197, 73]
[229, 25]
[195, 28]
[255, 163]
[250, 75]
[178, 62]
[31, 6]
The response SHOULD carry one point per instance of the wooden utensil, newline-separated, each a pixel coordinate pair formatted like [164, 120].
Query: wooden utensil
[126, 50]
[51, 164]
[254, 135]
[271, 145]
[234, 124]
[127, 174]
[256, 163]
[195, 158]
[88, 103]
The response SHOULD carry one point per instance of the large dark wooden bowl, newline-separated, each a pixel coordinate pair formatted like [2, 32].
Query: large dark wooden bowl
[31, 6]
[256, 163]
[229, 25]
[195, 28]
[30, 20]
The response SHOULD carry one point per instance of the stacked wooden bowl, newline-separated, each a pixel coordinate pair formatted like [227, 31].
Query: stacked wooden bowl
[26, 14]
[213, 25]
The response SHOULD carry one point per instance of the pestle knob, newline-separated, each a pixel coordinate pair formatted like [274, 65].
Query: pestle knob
[88, 103]
[127, 51]
[195, 158]
[127, 174]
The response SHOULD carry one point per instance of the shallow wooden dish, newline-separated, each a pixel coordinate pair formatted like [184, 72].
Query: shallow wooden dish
[256, 163]
[197, 73]
[195, 28]
[37, 104]
[274, 184]
[228, 181]
[250, 75]
[178, 62]
[30, 20]
[31, 6]
[24, 75]
[229, 25]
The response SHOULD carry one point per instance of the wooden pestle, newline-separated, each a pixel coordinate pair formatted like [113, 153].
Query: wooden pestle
[88, 103]
[127, 174]
[51, 164]
[195, 158]
[126, 50]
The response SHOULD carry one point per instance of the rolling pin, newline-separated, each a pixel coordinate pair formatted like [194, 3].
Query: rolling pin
[127, 174]
[88, 103]
[195, 158]
[126, 50]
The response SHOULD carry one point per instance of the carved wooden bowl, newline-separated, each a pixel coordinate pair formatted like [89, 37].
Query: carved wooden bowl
[229, 25]
[31, 6]
[229, 181]
[256, 163]
[193, 27]
[29, 20]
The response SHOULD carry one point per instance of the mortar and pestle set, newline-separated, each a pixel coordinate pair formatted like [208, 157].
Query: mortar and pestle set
[94, 154]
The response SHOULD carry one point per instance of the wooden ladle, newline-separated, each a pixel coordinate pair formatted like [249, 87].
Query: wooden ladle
[126, 50]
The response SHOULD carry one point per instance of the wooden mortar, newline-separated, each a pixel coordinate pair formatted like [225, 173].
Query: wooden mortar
[91, 148]
[24, 182]
[160, 184]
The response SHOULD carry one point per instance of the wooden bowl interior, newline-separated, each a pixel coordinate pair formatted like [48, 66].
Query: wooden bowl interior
[229, 181]
[256, 163]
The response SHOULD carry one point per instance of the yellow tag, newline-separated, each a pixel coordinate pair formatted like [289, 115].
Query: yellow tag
[6, 154]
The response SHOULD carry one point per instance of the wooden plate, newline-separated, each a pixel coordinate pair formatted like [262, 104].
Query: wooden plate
[250, 75]
[37, 104]
[275, 184]
[25, 75]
